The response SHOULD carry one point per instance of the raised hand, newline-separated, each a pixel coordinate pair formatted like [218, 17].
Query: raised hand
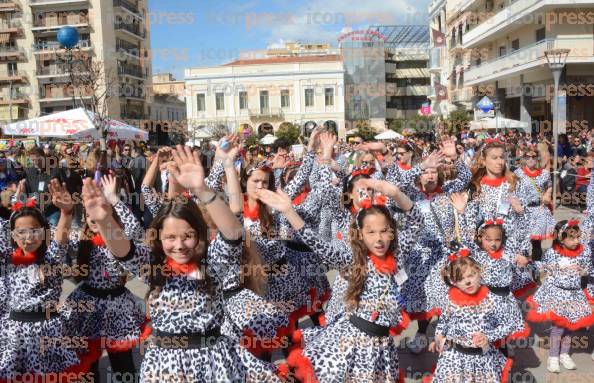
[313, 138]
[279, 161]
[96, 205]
[327, 142]
[434, 160]
[109, 184]
[163, 154]
[448, 148]
[459, 201]
[384, 187]
[377, 146]
[60, 196]
[278, 201]
[187, 169]
[228, 156]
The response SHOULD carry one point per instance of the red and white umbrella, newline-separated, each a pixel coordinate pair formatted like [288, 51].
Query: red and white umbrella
[75, 124]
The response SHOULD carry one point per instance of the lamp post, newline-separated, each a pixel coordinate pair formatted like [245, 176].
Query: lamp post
[496, 107]
[68, 37]
[556, 59]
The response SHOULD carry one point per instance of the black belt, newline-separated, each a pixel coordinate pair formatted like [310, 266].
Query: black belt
[369, 328]
[467, 350]
[586, 280]
[298, 246]
[187, 340]
[533, 204]
[501, 291]
[103, 293]
[32, 316]
[228, 294]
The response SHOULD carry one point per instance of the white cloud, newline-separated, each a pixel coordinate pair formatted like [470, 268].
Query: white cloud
[325, 20]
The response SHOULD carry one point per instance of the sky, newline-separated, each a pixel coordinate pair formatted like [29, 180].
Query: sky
[196, 33]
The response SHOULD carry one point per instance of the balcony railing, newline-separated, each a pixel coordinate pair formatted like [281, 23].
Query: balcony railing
[135, 29]
[62, 19]
[58, 93]
[582, 49]
[11, 51]
[54, 45]
[9, 5]
[14, 24]
[127, 5]
[131, 49]
[265, 112]
[13, 76]
[50, 2]
[131, 70]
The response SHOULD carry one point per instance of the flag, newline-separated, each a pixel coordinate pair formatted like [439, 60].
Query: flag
[439, 38]
[441, 92]
[426, 109]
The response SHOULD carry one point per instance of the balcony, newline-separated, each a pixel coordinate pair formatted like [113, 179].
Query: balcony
[265, 113]
[9, 5]
[132, 70]
[11, 26]
[57, 93]
[60, 20]
[34, 3]
[17, 97]
[11, 53]
[509, 18]
[127, 48]
[412, 90]
[13, 76]
[462, 95]
[134, 29]
[54, 45]
[127, 5]
[529, 57]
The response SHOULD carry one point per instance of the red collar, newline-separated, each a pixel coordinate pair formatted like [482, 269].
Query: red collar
[301, 197]
[404, 166]
[97, 240]
[385, 265]
[181, 269]
[568, 253]
[494, 182]
[253, 214]
[20, 258]
[428, 195]
[496, 254]
[460, 298]
[532, 173]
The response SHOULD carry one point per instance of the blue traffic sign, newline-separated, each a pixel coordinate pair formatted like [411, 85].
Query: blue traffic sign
[485, 104]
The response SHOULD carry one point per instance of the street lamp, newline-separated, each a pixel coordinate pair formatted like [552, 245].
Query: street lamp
[556, 59]
[496, 107]
[68, 37]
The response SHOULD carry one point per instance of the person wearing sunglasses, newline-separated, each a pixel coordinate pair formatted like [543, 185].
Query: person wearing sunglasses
[534, 185]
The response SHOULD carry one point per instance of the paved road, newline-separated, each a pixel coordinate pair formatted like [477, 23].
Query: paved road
[530, 361]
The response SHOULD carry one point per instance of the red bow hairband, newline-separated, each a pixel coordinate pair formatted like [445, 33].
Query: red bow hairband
[492, 222]
[378, 200]
[462, 253]
[368, 171]
[30, 202]
[571, 223]
[497, 140]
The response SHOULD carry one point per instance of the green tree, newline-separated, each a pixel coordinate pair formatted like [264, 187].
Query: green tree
[251, 140]
[457, 121]
[289, 132]
[365, 130]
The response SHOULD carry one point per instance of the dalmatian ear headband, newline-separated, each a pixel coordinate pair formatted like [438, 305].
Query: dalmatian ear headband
[491, 222]
[462, 253]
[362, 170]
[492, 141]
[366, 202]
[568, 225]
[18, 206]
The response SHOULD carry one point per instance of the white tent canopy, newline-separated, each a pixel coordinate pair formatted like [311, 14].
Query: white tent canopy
[490, 123]
[75, 124]
[268, 139]
[389, 135]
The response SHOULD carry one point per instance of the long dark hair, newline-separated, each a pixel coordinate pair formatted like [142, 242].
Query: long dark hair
[38, 216]
[187, 210]
[347, 189]
[357, 272]
[263, 213]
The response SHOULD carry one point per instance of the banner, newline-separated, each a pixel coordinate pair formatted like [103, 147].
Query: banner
[7, 144]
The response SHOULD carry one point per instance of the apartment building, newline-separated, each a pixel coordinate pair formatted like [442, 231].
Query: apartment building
[439, 69]
[505, 42]
[165, 83]
[264, 93]
[34, 69]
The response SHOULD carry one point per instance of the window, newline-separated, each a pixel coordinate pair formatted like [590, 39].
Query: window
[201, 102]
[309, 97]
[264, 100]
[243, 104]
[515, 45]
[502, 51]
[329, 96]
[220, 101]
[540, 34]
[12, 68]
[285, 100]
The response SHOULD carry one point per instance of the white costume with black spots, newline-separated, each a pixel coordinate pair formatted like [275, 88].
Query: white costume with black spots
[561, 298]
[464, 316]
[531, 186]
[116, 319]
[343, 352]
[22, 350]
[183, 306]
